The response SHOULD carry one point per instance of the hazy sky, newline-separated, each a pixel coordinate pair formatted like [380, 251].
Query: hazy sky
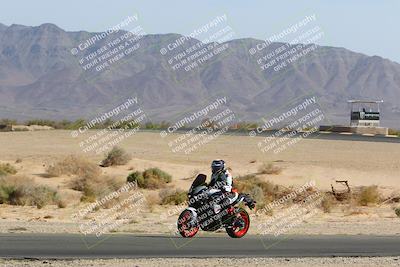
[367, 26]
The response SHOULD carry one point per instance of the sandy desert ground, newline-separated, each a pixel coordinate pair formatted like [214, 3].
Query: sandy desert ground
[361, 163]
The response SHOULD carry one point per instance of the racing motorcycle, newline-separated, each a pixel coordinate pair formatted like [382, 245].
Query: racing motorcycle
[215, 211]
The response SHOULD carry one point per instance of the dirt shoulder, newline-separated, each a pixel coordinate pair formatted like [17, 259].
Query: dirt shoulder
[214, 262]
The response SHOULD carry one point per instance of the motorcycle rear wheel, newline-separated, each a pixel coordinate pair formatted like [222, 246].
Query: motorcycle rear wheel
[236, 232]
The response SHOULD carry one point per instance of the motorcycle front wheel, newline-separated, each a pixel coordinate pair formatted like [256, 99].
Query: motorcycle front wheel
[184, 226]
[238, 232]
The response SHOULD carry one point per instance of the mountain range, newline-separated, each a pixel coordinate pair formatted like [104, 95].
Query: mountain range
[41, 78]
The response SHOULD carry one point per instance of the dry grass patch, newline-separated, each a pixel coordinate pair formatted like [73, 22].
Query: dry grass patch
[356, 212]
[61, 203]
[19, 190]
[174, 197]
[88, 178]
[269, 168]
[368, 195]
[265, 192]
[152, 200]
[6, 169]
[327, 203]
[94, 187]
[260, 191]
[251, 182]
[73, 165]
[117, 156]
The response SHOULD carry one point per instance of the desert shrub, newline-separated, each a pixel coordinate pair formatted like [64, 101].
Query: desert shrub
[136, 177]
[41, 196]
[174, 197]
[94, 187]
[247, 182]
[7, 168]
[269, 168]
[117, 156]
[152, 178]
[73, 165]
[397, 211]
[368, 195]
[16, 190]
[9, 193]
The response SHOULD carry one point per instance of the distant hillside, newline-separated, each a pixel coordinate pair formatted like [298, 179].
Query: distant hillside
[40, 78]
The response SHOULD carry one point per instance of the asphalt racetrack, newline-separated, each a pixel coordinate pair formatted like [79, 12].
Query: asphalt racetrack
[75, 246]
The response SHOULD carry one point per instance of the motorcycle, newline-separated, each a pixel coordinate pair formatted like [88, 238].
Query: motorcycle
[211, 212]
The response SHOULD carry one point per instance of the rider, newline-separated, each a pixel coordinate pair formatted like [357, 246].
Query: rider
[220, 177]
[221, 182]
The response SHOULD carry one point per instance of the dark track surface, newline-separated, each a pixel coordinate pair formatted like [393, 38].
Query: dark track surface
[69, 246]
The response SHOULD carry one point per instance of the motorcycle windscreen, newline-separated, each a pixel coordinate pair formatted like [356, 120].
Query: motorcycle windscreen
[200, 180]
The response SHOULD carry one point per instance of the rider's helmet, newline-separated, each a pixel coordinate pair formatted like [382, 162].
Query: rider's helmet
[217, 165]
